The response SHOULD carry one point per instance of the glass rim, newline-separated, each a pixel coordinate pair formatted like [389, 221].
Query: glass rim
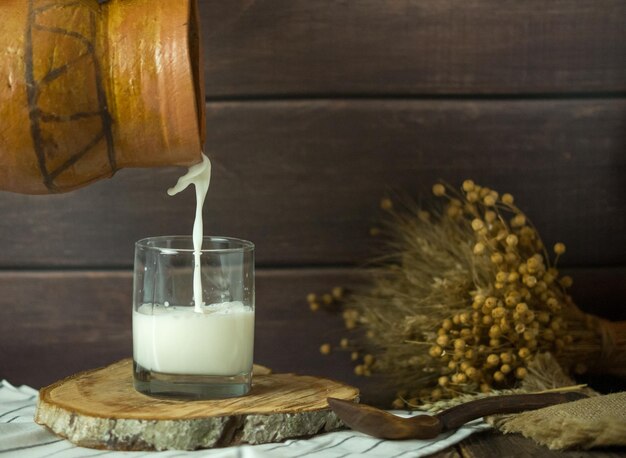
[241, 245]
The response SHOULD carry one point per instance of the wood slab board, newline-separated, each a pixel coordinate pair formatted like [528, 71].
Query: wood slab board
[101, 409]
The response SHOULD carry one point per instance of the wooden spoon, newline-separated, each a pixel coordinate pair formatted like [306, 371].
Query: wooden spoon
[378, 423]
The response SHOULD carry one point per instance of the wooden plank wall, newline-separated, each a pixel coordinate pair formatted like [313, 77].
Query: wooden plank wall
[315, 110]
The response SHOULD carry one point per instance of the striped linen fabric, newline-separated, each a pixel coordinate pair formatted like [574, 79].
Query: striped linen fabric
[21, 437]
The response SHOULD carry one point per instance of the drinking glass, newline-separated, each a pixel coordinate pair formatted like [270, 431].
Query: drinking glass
[186, 350]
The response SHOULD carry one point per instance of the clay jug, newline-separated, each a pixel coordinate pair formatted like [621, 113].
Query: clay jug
[89, 87]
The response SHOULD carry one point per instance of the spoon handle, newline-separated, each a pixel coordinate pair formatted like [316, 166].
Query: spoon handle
[457, 416]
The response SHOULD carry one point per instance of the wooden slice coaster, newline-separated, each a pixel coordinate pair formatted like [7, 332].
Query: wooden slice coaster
[101, 409]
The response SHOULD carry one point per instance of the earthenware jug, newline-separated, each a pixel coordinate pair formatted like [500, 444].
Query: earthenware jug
[88, 87]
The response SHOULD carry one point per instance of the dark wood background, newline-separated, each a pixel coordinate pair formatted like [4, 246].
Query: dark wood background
[316, 110]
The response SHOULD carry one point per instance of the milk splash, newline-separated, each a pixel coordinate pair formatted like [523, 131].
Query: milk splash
[200, 176]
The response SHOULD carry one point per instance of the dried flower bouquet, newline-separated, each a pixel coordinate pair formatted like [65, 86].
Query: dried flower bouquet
[465, 298]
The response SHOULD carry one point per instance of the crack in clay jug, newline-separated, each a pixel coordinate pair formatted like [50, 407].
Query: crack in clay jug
[87, 88]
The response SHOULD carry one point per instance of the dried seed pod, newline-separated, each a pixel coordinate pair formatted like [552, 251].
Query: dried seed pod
[439, 190]
[493, 360]
[337, 292]
[435, 351]
[507, 199]
[459, 344]
[386, 204]
[472, 373]
[521, 372]
[443, 340]
[468, 185]
[325, 349]
[559, 248]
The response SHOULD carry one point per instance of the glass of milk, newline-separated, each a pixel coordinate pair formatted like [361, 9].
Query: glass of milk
[193, 317]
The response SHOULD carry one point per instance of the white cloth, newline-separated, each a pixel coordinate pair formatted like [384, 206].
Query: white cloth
[21, 437]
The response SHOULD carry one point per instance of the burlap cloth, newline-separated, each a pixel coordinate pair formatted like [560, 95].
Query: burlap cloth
[594, 422]
[597, 421]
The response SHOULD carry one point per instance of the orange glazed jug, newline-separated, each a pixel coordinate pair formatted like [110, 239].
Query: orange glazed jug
[87, 88]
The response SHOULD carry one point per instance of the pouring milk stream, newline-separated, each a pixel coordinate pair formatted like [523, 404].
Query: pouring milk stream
[200, 176]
